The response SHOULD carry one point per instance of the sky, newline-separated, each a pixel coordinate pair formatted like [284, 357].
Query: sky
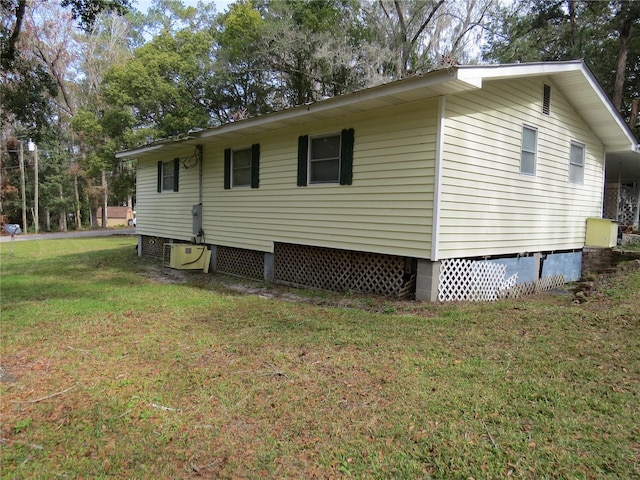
[221, 5]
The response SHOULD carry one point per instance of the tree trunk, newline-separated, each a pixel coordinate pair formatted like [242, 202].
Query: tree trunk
[13, 39]
[92, 216]
[47, 219]
[633, 118]
[62, 221]
[23, 189]
[573, 21]
[624, 31]
[77, 202]
[105, 198]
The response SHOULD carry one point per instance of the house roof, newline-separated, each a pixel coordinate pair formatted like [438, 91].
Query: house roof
[573, 78]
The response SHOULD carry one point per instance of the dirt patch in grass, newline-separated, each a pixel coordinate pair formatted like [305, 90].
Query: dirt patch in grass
[242, 286]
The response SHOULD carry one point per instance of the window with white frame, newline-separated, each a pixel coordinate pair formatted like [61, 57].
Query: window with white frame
[529, 150]
[168, 175]
[324, 159]
[241, 167]
[576, 163]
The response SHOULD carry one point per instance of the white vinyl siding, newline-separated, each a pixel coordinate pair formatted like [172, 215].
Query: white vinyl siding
[487, 206]
[387, 209]
[162, 215]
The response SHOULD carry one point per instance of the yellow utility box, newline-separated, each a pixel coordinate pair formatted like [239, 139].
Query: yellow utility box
[601, 233]
[182, 256]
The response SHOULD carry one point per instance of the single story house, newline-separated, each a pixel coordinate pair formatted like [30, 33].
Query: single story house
[461, 183]
[116, 216]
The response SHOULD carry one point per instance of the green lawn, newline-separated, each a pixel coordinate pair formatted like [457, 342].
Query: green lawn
[111, 369]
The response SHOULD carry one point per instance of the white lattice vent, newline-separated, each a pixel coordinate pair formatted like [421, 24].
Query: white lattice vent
[481, 281]
[473, 280]
[541, 285]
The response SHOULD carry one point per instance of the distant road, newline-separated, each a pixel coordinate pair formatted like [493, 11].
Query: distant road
[72, 234]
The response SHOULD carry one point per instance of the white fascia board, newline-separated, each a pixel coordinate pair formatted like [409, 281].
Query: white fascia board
[138, 151]
[519, 70]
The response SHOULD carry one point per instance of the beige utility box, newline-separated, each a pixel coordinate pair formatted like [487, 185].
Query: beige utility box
[185, 256]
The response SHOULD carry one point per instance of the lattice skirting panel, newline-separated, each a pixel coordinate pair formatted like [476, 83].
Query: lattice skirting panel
[473, 280]
[241, 262]
[344, 270]
[620, 203]
[529, 288]
[153, 246]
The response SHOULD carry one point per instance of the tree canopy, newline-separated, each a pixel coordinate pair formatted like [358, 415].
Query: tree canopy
[87, 78]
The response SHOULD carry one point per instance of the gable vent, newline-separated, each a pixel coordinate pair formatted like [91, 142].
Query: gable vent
[546, 99]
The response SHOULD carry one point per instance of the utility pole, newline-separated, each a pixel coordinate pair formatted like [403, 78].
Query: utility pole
[36, 219]
[32, 147]
[22, 182]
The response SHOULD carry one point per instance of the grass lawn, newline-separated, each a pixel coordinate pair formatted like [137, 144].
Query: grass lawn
[111, 370]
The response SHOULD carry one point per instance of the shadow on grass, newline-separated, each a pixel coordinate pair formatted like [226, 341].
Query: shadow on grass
[44, 270]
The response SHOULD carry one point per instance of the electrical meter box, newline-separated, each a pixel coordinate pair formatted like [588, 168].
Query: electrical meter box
[185, 256]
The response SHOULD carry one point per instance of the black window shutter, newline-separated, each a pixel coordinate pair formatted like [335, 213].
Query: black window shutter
[227, 168]
[346, 157]
[255, 165]
[159, 177]
[303, 147]
[176, 173]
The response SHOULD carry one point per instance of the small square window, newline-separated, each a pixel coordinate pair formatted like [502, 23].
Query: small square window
[241, 168]
[324, 159]
[528, 152]
[576, 163]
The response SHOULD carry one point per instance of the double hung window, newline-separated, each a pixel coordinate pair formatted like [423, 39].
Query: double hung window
[242, 167]
[168, 175]
[326, 158]
[529, 150]
[576, 163]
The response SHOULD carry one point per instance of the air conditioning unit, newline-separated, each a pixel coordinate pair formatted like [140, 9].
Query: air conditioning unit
[182, 256]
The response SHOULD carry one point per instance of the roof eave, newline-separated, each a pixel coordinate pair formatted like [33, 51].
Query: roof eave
[138, 151]
[439, 82]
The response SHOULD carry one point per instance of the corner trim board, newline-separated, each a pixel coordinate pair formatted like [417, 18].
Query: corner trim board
[437, 181]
